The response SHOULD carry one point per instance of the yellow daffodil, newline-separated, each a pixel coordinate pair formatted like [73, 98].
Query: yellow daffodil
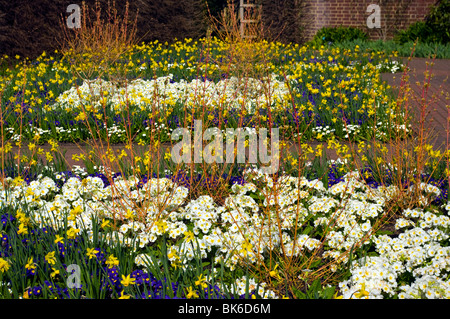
[91, 253]
[335, 296]
[30, 265]
[50, 258]
[126, 281]
[123, 296]
[54, 272]
[201, 281]
[191, 293]
[72, 233]
[59, 239]
[362, 292]
[274, 273]
[104, 224]
[4, 265]
[112, 261]
[189, 236]
[23, 230]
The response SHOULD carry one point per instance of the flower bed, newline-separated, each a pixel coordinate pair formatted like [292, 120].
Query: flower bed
[299, 86]
[316, 229]
[79, 217]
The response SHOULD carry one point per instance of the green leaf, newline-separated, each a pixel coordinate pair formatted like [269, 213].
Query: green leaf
[328, 292]
[299, 294]
[384, 232]
[313, 290]
[307, 230]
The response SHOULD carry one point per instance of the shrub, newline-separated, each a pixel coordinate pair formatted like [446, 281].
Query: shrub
[439, 20]
[339, 34]
[435, 27]
[418, 30]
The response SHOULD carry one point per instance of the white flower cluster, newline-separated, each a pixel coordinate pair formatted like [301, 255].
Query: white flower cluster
[322, 132]
[352, 208]
[351, 130]
[14, 136]
[426, 287]
[263, 215]
[391, 66]
[418, 251]
[158, 127]
[382, 127]
[260, 288]
[116, 131]
[232, 92]
[373, 275]
[61, 130]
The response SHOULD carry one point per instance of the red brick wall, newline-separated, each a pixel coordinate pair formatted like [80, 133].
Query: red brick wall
[394, 15]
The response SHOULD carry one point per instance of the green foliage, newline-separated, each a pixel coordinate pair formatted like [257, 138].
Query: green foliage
[434, 29]
[316, 291]
[439, 19]
[419, 30]
[422, 50]
[339, 34]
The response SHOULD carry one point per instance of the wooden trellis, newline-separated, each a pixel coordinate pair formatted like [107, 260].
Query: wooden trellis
[244, 19]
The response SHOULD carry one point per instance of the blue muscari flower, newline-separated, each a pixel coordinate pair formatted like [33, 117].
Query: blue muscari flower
[117, 119]
[250, 294]
[144, 295]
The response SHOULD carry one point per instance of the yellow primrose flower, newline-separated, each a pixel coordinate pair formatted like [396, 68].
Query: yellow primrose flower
[246, 248]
